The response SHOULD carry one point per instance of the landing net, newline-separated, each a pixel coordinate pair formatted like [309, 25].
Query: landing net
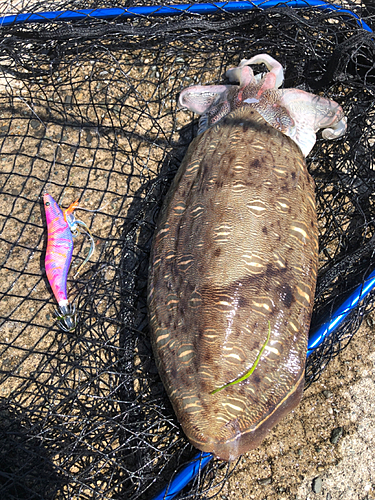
[88, 111]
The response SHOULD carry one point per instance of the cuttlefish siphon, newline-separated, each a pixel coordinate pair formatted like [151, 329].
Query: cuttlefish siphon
[234, 259]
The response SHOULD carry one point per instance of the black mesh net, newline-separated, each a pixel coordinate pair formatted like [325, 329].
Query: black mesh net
[88, 111]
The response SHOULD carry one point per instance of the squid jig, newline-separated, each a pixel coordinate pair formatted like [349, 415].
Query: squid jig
[62, 226]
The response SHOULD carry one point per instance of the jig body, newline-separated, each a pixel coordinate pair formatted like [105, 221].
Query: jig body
[62, 226]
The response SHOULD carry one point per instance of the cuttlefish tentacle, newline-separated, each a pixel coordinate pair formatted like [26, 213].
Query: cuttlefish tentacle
[273, 79]
[242, 74]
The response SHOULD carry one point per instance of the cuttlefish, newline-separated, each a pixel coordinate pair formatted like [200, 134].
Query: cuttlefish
[234, 258]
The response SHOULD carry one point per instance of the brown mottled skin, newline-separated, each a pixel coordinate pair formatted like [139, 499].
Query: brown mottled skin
[235, 252]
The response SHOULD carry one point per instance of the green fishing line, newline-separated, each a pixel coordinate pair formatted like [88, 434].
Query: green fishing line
[248, 373]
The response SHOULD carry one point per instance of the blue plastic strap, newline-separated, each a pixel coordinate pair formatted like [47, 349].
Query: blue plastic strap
[341, 313]
[185, 476]
[172, 10]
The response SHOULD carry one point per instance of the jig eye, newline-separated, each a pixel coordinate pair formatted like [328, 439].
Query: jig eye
[48, 204]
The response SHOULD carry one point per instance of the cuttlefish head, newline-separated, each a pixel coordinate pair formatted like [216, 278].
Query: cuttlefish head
[294, 112]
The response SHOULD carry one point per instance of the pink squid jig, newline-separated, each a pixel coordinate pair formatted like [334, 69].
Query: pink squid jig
[62, 226]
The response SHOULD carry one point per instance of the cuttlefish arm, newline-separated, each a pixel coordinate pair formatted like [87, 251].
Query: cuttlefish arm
[244, 74]
[311, 113]
[212, 102]
[294, 112]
